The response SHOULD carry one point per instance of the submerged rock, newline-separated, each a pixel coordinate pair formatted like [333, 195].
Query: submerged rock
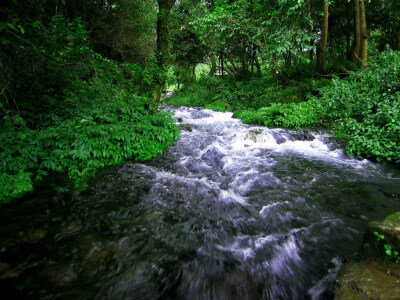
[3, 267]
[368, 280]
[185, 127]
[59, 276]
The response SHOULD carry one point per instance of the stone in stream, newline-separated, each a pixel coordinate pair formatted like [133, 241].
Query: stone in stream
[32, 236]
[368, 280]
[390, 228]
[59, 276]
[3, 267]
[185, 127]
[371, 278]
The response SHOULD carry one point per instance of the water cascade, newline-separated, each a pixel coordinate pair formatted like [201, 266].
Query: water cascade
[230, 211]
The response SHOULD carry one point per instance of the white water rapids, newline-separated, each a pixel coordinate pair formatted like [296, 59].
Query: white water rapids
[230, 211]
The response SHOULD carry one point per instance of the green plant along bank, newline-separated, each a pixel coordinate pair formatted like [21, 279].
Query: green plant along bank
[66, 108]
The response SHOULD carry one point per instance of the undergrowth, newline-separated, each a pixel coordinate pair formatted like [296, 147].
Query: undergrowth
[80, 111]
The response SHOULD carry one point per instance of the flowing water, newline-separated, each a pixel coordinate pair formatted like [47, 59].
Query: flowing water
[230, 211]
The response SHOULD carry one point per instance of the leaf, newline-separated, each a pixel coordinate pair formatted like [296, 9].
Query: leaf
[12, 26]
[22, 29]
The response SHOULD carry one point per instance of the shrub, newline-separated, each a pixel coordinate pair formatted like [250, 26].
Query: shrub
[104, 134]
[219, 105]
[366, 109]
[73, 112]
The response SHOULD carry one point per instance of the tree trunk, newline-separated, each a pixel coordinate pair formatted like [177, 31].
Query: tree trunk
[259, 74]
[348, 47]
[222, 64]
[321, 48]
[332, 46]
[194, 73]
[398, 40]
[213, 65]
[234, 69]
[357, 32]
[161, 55]
[364, 35]
[243, 59]
[311, 52]
[347, 31]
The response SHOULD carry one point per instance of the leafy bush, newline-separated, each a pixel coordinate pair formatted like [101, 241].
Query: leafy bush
[199, 93]
[252, 94]
[73, 112]
[290, 115]
[366, 109]
[105, 134]
[250, 116]
[219, 105]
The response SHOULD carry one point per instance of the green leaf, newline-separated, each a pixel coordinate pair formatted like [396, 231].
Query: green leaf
[21, 29]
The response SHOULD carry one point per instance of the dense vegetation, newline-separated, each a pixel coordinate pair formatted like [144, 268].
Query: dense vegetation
[81, 81]
[269, 75]
[65, 107]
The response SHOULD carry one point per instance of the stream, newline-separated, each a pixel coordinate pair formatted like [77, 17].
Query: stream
[230, 211]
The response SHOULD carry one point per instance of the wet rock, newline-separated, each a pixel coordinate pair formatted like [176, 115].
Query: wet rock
[368, 280]
[301, 135]
[279, 139]
[10, 273]
[59, 276]
[99, 256]
[390, 228]
[185, 127]
[4, 267]
[371, 278]
[151, 217]
[69, 230]
[252, 135]
[31, 236]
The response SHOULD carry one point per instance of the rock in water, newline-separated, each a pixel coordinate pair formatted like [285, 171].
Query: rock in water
[368, 280]
[390, 228]
[371, 278]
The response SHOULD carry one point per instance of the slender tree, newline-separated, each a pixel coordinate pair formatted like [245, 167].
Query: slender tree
[364, 35]
[357, 32]
[398, 38]
[161, 55]
[321, 48]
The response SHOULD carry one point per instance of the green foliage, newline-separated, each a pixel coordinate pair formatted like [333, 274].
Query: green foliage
[219, 105]
[199, 93]
[389, 253]
[289, 115]
[73, 112]
[250, 116]
[243, 95]
[366, 109]
[103, 134]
